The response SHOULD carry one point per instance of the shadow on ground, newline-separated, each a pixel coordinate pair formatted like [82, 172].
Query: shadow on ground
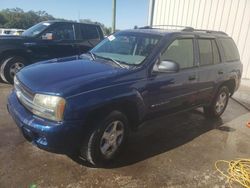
[163, 134]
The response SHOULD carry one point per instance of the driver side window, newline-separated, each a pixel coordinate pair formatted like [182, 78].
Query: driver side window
[61, 32]
[180, 51]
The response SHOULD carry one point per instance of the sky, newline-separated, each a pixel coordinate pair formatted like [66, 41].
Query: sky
[129, 12]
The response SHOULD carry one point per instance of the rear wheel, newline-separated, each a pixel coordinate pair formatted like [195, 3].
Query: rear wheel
[106, 140]
[219, 104]
[10, 66]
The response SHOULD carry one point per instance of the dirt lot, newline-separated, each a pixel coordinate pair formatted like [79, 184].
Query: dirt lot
[178, 151]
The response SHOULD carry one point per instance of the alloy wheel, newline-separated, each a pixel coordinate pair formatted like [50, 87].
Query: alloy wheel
[221, 102]
[15, 68]
[112, 138]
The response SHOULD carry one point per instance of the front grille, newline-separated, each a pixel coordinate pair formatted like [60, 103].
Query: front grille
[24, 95]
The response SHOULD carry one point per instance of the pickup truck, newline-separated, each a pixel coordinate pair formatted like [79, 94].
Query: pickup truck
[43, 41]
[90, 103]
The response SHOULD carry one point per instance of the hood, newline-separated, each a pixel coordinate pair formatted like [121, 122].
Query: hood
[67, 76]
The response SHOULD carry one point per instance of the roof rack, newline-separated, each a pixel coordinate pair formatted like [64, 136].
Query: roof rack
[168, 27]
[184, 28]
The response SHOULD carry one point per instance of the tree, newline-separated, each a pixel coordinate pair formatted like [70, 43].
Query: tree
[107, 31]
[17, 18]
[2, 20]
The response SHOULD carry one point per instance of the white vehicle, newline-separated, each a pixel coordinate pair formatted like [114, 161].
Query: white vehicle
[11, 31]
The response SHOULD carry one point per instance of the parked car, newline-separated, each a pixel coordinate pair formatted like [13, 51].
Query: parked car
[17, 32]
[91, 102]
[11, 31]
[5, 31]
[46, 40]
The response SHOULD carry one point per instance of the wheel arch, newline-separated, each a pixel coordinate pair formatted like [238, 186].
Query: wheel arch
[15, 52]
[230, 84]
[128, 107]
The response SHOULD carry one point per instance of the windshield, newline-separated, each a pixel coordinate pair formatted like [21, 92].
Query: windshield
[130, 49]
[36, 29]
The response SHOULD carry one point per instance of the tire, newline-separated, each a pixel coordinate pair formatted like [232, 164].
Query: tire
[102, 145]
[10, 66]
[219, 103]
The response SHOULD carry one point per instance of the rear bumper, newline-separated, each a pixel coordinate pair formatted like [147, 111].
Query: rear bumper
[57, 137]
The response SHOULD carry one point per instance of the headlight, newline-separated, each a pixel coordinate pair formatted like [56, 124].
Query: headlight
[50, 107]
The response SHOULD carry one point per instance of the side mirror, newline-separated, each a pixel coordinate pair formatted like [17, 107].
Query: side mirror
[47, 36]
[166, 66]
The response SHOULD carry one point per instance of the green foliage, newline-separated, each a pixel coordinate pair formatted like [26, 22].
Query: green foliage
[106, 30]
[2, 20]
[33, 186]
[17, 18]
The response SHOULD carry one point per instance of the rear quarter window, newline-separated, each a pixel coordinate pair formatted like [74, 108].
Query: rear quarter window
[230, 49]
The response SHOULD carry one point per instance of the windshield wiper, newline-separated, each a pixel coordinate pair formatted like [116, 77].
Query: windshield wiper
[111, 59]
[116, 62]
[92, 55]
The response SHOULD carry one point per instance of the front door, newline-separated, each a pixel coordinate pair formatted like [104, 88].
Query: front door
[62, 42]
[174, 91]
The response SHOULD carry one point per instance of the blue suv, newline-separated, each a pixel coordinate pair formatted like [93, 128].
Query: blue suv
[90, 103]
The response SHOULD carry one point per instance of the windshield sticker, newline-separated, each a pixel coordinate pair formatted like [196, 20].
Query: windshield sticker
[111, 37]
[47, 24]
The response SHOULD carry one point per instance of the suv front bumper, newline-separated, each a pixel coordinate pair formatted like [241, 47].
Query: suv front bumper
[60, 137]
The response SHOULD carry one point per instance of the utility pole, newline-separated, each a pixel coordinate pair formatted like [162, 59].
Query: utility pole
[114, 16]
[151, 12]
[79, 16]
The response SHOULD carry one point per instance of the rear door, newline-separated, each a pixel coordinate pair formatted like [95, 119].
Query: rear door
[209, 68]
[174, 91]
[88, 36]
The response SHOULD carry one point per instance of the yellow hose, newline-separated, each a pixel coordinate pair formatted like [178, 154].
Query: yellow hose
[238, 171]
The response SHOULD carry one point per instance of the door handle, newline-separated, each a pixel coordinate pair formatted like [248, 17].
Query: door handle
[192, 77]
[220, 72]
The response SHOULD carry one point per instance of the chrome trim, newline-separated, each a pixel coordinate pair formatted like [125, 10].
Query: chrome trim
[26, 98]
[19, 87]
[30, 105]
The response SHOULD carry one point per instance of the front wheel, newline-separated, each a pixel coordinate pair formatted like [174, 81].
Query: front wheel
[106, 140]
[219, 104]
[10, 66]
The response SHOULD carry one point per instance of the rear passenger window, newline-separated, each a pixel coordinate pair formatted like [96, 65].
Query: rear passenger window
[208, 52]
[89, 32]
[230, 50]
[205, 49]
[180, 51]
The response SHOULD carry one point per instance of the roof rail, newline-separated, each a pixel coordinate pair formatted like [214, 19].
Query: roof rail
[210, 31]
[145, 27]
[184, 28]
